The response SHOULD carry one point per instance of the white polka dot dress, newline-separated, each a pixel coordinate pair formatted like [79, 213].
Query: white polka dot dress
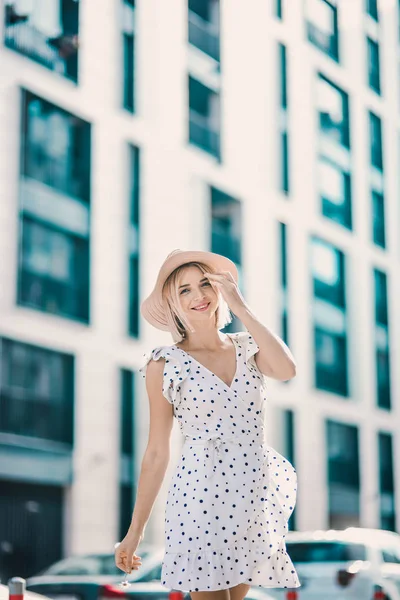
[231, 494]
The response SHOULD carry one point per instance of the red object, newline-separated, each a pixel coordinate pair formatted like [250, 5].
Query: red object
[175, 595]
[16, 588]
[292, 595]
[110, 591]
[379, 594]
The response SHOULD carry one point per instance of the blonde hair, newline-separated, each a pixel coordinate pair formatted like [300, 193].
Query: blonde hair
[178, 323]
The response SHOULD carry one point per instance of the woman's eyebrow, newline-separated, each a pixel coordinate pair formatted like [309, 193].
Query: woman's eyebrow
[188, 284]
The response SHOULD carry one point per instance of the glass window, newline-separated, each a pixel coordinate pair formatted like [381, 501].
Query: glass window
[383, 378]
[309, 552]
[54, 274]
[343, 454]
[331, 361]
[56, 149]
[375, 128]
[386, 471]
[279, 8]
[335, 191]
[322, 26]
[134, 242]
[372, 9]
[381, 302]
[333, 108]
[204, 27]
[283, 75]
[36, 392]
[378, 219]
[328, 272]
[204, 117]
[374, 78]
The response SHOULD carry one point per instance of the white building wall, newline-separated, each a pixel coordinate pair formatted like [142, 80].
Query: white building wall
[175, 211]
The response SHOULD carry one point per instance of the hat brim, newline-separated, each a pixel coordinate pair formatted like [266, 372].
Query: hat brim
[152, 308]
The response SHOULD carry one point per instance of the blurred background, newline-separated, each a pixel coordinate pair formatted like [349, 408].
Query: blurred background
[267, 131]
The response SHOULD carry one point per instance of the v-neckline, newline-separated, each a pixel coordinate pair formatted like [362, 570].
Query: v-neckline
[211, 372]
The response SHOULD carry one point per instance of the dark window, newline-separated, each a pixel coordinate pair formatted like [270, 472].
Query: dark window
[343, 474]
[383, 377]
[36, 392]
[127, 451]
[226, 226]
[331, 361]
[387, 491]
[283, 75]
[322, 27]
[333, 109]
[325, 552]
[328, 272]
[372, 9]
[128, 44]
[203, 27]
[279, 8]
[49, 37]
[226, 234]
[283, 240]
[55, 148]
[374, 79]
[134, 241]
[390, 556]
[381, 301]
[378, 219]
[335, 192]
[285, 176]
[54, 271]
[204, 117]
[376, 152]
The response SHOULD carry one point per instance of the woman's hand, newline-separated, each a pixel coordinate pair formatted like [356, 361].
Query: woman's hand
[226, 284]
[125, 557]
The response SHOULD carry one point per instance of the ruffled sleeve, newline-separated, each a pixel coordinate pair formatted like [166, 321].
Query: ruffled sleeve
[250, 349]
[175, 371]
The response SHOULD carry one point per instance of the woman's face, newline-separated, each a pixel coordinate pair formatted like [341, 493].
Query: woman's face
[198, 298]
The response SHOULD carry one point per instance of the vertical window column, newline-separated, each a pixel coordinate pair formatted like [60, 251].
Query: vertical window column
[284, 282]
[127, 488]
[134, 241]
[284, 179]
[376, 177]
[54, 192]
[382, 352]
[334, 159]
[127, 9]
[330, 318]
[322, 26]
[343, 475]
[386, 482]
[226, 235]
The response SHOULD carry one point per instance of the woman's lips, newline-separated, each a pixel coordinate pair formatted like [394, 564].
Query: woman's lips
[202, 309]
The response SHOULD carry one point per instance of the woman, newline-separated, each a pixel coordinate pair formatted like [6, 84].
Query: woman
[231, 495]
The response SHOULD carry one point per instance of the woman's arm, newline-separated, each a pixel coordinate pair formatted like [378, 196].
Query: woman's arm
[154, 464]
[156, 457]
[274, 358]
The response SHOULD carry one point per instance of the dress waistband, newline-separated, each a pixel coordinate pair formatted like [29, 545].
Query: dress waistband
[214, 442]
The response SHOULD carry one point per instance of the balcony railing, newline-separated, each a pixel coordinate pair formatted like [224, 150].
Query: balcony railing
[202, 135]
[59, 53]
[204, 35]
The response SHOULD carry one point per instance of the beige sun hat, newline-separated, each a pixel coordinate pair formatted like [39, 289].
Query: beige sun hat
[152, 308]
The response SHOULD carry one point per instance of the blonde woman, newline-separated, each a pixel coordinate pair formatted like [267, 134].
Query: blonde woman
[231, 494]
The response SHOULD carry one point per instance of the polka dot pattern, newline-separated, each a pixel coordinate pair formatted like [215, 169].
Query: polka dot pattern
[231, 494]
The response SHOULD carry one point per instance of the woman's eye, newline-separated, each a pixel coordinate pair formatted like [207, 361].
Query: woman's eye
[206, 283]
[184, 290]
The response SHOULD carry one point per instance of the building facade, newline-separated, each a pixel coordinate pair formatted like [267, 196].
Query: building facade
[267, 134]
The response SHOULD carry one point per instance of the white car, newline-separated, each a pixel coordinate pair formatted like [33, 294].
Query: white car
[351, 564]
